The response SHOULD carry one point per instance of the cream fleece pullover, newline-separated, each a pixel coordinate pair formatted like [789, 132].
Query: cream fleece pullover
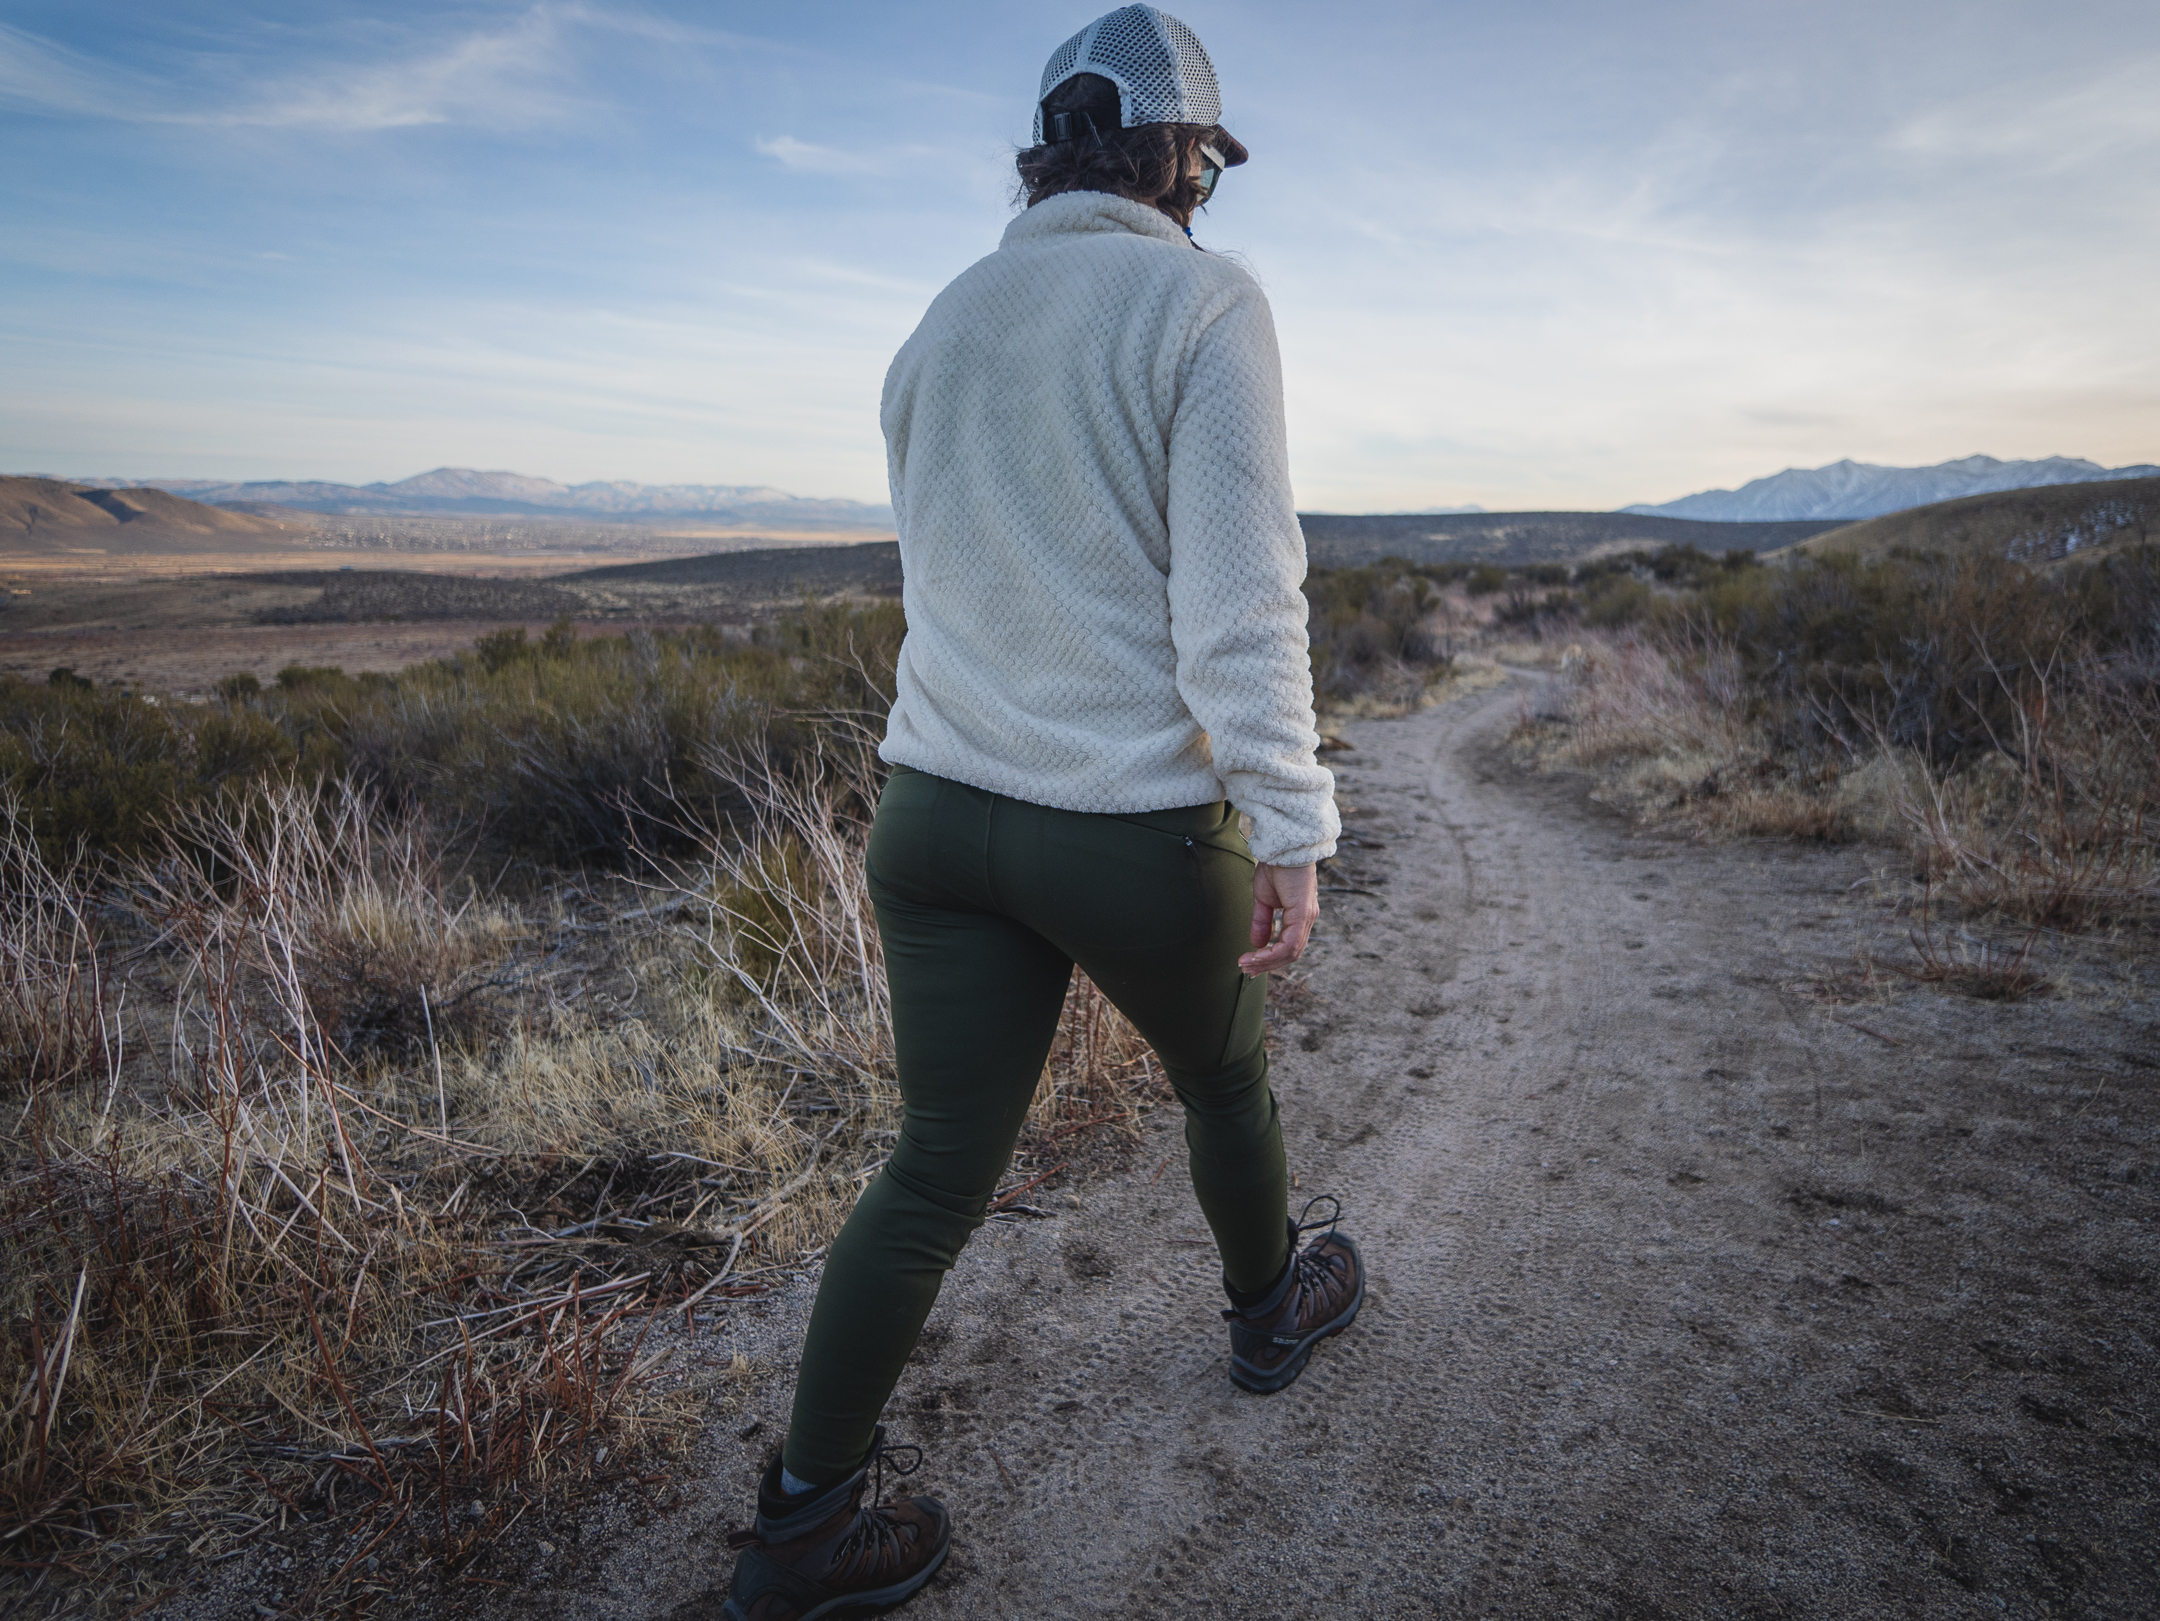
[1099, 553]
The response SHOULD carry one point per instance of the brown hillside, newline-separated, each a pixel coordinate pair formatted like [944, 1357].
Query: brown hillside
[50, 511]
[2041, 525]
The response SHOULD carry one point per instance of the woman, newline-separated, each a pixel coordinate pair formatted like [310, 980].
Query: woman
[1105, 662]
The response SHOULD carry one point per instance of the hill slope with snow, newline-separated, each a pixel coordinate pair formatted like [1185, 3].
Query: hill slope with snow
[1850, 489]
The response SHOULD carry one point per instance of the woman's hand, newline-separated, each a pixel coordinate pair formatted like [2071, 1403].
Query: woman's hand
[1293, 893]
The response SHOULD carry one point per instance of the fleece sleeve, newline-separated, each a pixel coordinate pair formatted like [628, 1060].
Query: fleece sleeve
[1237, 561]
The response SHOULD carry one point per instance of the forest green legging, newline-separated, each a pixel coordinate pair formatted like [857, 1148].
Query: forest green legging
[984, 904]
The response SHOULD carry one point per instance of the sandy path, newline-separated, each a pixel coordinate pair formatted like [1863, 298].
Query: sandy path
[1687, 1300]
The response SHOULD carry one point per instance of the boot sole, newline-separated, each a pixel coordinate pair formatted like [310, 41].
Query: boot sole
[877, 1599]
[1246, 1377]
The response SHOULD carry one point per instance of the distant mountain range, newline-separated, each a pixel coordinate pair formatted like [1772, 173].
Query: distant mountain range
[1851, 489]
[463, 492]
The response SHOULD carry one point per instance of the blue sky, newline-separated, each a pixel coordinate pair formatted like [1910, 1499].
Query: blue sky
[1533, 255]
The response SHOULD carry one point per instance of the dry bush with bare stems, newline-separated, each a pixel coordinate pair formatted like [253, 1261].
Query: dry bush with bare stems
[333, 906]
[1992, 970]
[1101, 1071]
[1671, 728]
[2000, 724]
[2060, 828]
[53, 1028]
[784, 923]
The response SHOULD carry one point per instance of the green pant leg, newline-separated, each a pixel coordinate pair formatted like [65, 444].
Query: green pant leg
[975, 1005]
[1156, 908]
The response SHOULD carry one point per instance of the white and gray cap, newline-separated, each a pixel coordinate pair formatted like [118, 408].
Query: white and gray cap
[1159, 66]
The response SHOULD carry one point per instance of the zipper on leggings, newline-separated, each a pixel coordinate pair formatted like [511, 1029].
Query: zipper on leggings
[1188, 840]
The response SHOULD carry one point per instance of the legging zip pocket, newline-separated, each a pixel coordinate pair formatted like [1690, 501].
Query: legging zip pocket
[1195, 844]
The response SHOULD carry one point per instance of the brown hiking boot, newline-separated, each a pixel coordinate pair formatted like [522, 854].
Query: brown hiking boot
[1318, 1295]
[827, 1551]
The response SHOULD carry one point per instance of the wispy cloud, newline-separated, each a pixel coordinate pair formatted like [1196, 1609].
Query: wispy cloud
[515, 75]
[821, 159]
[43, 77]
[984, 171]
[2109, 115]
[505, 77]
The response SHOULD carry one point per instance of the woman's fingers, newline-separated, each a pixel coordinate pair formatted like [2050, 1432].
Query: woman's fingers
[1293, 894]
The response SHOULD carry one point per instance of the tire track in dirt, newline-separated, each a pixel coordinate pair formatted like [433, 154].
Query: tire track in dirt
[1673, 1286]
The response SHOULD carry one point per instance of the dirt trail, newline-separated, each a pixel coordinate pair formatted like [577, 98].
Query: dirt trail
[1686, 1298]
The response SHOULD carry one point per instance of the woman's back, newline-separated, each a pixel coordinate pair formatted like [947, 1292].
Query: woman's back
[1101, 556]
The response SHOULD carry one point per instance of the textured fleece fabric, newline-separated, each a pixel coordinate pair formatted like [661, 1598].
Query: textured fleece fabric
[1100, 556]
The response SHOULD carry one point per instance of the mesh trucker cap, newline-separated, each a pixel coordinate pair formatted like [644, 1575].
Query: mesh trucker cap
[1161, 70]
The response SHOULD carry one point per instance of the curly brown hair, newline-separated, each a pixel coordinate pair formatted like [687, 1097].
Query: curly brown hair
[1150, 163]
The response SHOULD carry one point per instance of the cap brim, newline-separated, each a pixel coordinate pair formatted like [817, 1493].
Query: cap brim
[1232, 149]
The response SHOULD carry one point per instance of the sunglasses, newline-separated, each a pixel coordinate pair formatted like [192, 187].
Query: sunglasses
[1212, 164]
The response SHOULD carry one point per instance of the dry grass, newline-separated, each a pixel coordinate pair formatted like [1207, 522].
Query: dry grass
[2054, 827]
[331, 910]
[2060, 828]
[224, 1312]
[340, 1203]
[1992, 970]
[1669, 729]
[52, 990]
[265, 1267]
[785, 925]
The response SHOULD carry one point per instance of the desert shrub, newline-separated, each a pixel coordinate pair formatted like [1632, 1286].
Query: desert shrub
[503, 648]
[1682, 565]
[213, 1284]
[1615, 599]
[1486, 579]
[241, 743]
[1523, 607]
[1599, 568]
[1940, 655]
[557, 750]
[307, 677]
[1372, 628]
[1543, 574]
[330, 908]
[2002, 719]
[91, 767]
[585, 751]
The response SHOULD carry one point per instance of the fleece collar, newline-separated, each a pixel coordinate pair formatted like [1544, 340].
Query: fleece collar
[1074, 213]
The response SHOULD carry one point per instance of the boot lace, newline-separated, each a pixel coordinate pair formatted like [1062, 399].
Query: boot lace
[1334, 1208]
[874, 1542]
[1316, 1274]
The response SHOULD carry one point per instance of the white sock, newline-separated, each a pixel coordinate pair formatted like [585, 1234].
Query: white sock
[792, 1486]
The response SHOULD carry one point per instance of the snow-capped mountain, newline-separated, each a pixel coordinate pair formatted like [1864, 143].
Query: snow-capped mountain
[464, 492]
[1851, 489]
